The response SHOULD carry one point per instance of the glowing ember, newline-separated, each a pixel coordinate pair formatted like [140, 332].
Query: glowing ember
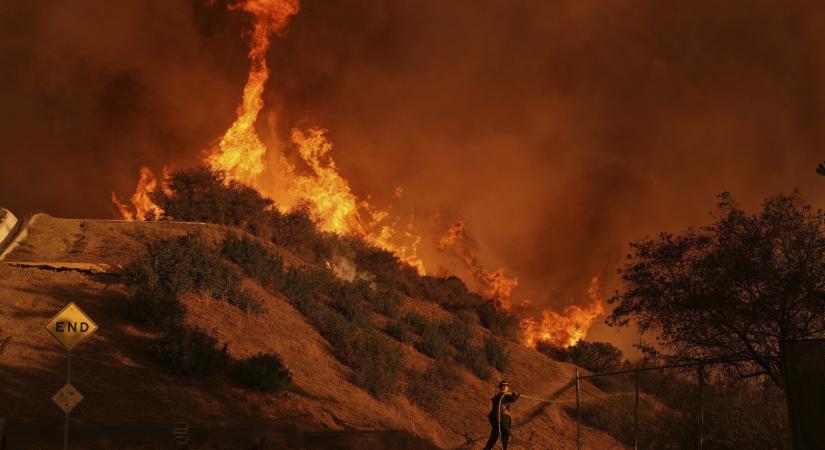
[566, 329]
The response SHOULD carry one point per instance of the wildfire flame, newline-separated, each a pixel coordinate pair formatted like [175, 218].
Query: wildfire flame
[240, 153]
[496, 285]
[145, 208]
[242, 156]
[566, 329]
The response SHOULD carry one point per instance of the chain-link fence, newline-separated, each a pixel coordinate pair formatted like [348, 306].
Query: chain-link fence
[678, 406]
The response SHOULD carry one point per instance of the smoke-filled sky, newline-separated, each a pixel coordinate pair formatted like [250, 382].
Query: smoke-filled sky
[558, 131]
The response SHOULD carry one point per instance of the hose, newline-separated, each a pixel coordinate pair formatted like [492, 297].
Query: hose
[545, 400]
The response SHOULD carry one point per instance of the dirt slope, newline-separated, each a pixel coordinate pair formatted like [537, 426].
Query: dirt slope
[121, 382]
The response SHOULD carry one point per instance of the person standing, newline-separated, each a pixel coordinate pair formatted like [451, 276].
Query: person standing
[499, 416]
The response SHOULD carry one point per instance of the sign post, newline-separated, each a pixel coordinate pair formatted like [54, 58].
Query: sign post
[70, 327]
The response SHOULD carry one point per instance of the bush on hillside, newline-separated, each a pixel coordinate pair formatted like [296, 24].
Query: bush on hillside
[388, 270]
[296, 231]
[264, 372]
[434, 342]
[353, 308]
[386, 301]
[417, 322]
[377, 362]
[174, 267]
[254, 259]
[426, 389]
[497, 354]
[401, 331]
[190, 352]
[247, 302]
[203, 195]
[458, 332]
[498, 320]
[475, 359]
[449, 292]
[597, 357]
[304, 286]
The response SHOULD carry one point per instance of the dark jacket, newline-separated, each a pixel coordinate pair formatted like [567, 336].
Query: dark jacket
[506, 400]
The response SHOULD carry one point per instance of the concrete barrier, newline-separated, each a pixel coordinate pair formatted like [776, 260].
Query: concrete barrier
[8, 224]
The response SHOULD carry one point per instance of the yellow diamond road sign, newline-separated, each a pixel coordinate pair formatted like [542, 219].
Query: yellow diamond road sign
[70, 326]
[67, 398]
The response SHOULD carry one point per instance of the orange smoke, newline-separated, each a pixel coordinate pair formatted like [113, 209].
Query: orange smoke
[496, 285]
[566, 329]
[144, 207]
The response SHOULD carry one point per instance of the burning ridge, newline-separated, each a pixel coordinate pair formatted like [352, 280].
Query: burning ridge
[242, 157]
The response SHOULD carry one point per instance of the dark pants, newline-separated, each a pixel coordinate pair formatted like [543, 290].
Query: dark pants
[505, 432]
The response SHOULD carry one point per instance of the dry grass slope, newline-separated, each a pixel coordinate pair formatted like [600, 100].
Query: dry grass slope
[120, 382]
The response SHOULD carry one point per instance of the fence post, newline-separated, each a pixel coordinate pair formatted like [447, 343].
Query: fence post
[578, 413]
[68, 381]
[701, 405]
[636, 415]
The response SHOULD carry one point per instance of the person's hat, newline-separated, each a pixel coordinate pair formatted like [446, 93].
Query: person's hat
[503, 383]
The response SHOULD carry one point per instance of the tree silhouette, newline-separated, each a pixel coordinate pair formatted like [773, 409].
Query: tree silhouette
[742, 288]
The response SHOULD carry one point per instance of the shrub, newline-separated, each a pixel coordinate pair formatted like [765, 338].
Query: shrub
[254, 259]
[497, 320]
[190, 352]
[340, 332]
[417, 322]
[174, 267]
[449, 292]
[594, 356]
[388, 270]
[296, 231]
[348, 299]
[427, 389]
[423, 390]
[386, 301]
[434, 342]
[475, 359]
[265, 373]
[377, 363]
[401, 331]
[246, 302]
[303, 286]
[458, 332]
[156, 309]
[203, 195]
[497, 354]
[468, 316]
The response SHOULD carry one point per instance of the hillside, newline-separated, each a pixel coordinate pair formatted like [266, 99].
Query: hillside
[61, 260]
